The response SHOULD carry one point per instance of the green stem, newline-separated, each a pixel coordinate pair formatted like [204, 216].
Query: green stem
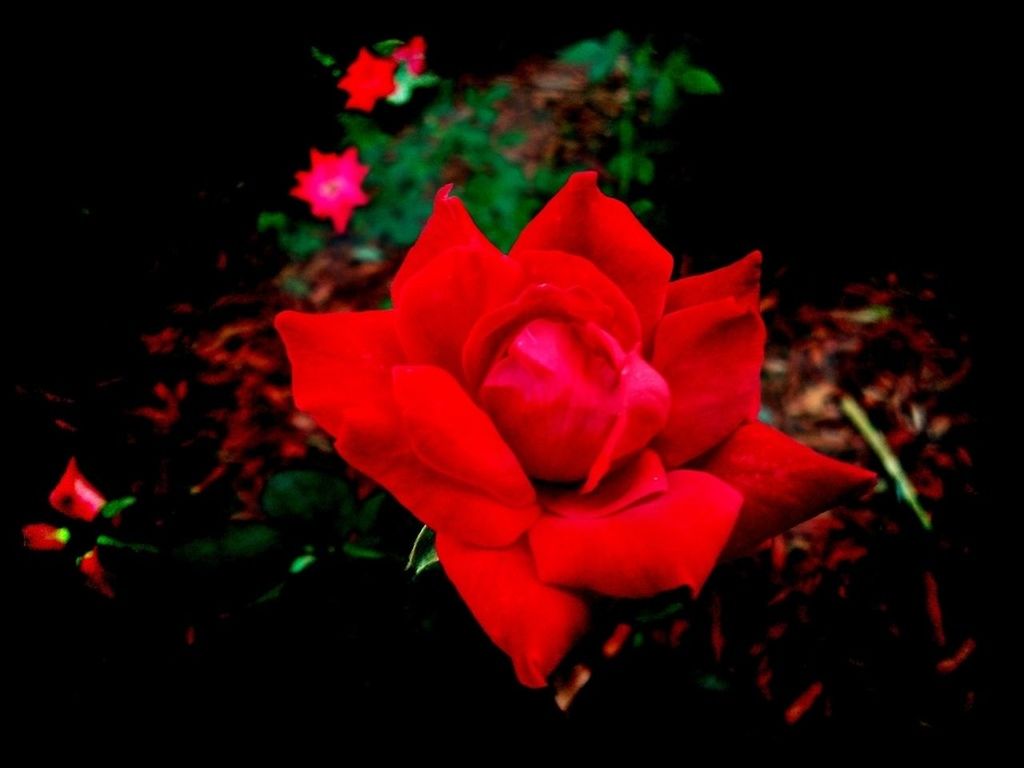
[135, 546]
[905, 489]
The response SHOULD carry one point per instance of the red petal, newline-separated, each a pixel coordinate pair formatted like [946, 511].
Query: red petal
[671, 541]
[379, 450]
[567, 271]
[583, 221]
[450, 434]
[783, 482]
[740, 280]
[342, 374]
[532, 622]
[449, 226]
[443, 300]
[340, 360]
[711, 356]
[646, 403]
[494, 329]
[75, 496]
[639, 479]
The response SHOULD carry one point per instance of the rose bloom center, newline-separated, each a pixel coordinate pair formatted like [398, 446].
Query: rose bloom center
[554, 393]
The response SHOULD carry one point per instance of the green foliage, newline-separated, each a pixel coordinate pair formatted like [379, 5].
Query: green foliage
[238, 542]
[307, 494]
[299, 239]
[600, 57]
[323, 58]
[653, 96]
[457, 137]
[114, 507]
[423, 555]
[700, 82]
[406, 170]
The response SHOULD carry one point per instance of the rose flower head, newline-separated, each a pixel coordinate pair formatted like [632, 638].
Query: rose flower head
[333, 186]
[569, 421]
[370, 78]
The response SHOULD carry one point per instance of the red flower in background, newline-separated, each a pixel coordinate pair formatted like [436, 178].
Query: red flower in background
[333, 186]
[567, 420]
[45, 538]
[367, 79]
[95, 575]
[75, 496]
[413, 54]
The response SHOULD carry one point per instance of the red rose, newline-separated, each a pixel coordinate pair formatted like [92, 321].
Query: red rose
[75, 496]
[567, 420]
[367, 79]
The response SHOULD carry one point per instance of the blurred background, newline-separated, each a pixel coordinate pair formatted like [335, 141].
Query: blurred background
[143, 166]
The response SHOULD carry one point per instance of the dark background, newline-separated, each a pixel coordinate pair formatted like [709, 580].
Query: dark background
[843, 152]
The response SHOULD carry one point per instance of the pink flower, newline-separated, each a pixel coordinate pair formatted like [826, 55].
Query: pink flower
[75, 496]
[413, 54]
[333, 186]
[367, 79]
[43, 537]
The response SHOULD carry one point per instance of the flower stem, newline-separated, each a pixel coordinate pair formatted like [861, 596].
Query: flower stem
[905, 489]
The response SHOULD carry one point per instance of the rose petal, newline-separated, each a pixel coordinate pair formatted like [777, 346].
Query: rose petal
[342, 375]
[581, 220]
[449, 226]
[646, 403]
[451, 434]
[710, 355]
[638, 479]
[783, 482]
[340, 360]
[443, 300]
[740, 280]
[378, 447]
[494, 329]
[534, 623]
[565, 270]
[553, 396]
[670, 541]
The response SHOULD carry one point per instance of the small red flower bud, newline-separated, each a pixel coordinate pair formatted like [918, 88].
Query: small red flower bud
[43, 537]
[75, 496]
[95, 574]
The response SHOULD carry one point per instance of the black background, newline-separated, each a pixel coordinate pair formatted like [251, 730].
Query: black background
[844, 148]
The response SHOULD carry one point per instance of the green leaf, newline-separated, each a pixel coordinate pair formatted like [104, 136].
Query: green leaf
[403, 86]
[133, 546]
[367, 514]
[663, 98]
[598, 56]
[301, 563]
[271, 220]
[699, 82]
[240, 541]
[305, 494]
[423, 554]
[642, 207]
[360, 552]
[511, 139]
[387, 47]
[304, 240]
[712, 682]
[323, 58]
[294, 285]
[643, 167]
[115, 507]
[367, 253]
